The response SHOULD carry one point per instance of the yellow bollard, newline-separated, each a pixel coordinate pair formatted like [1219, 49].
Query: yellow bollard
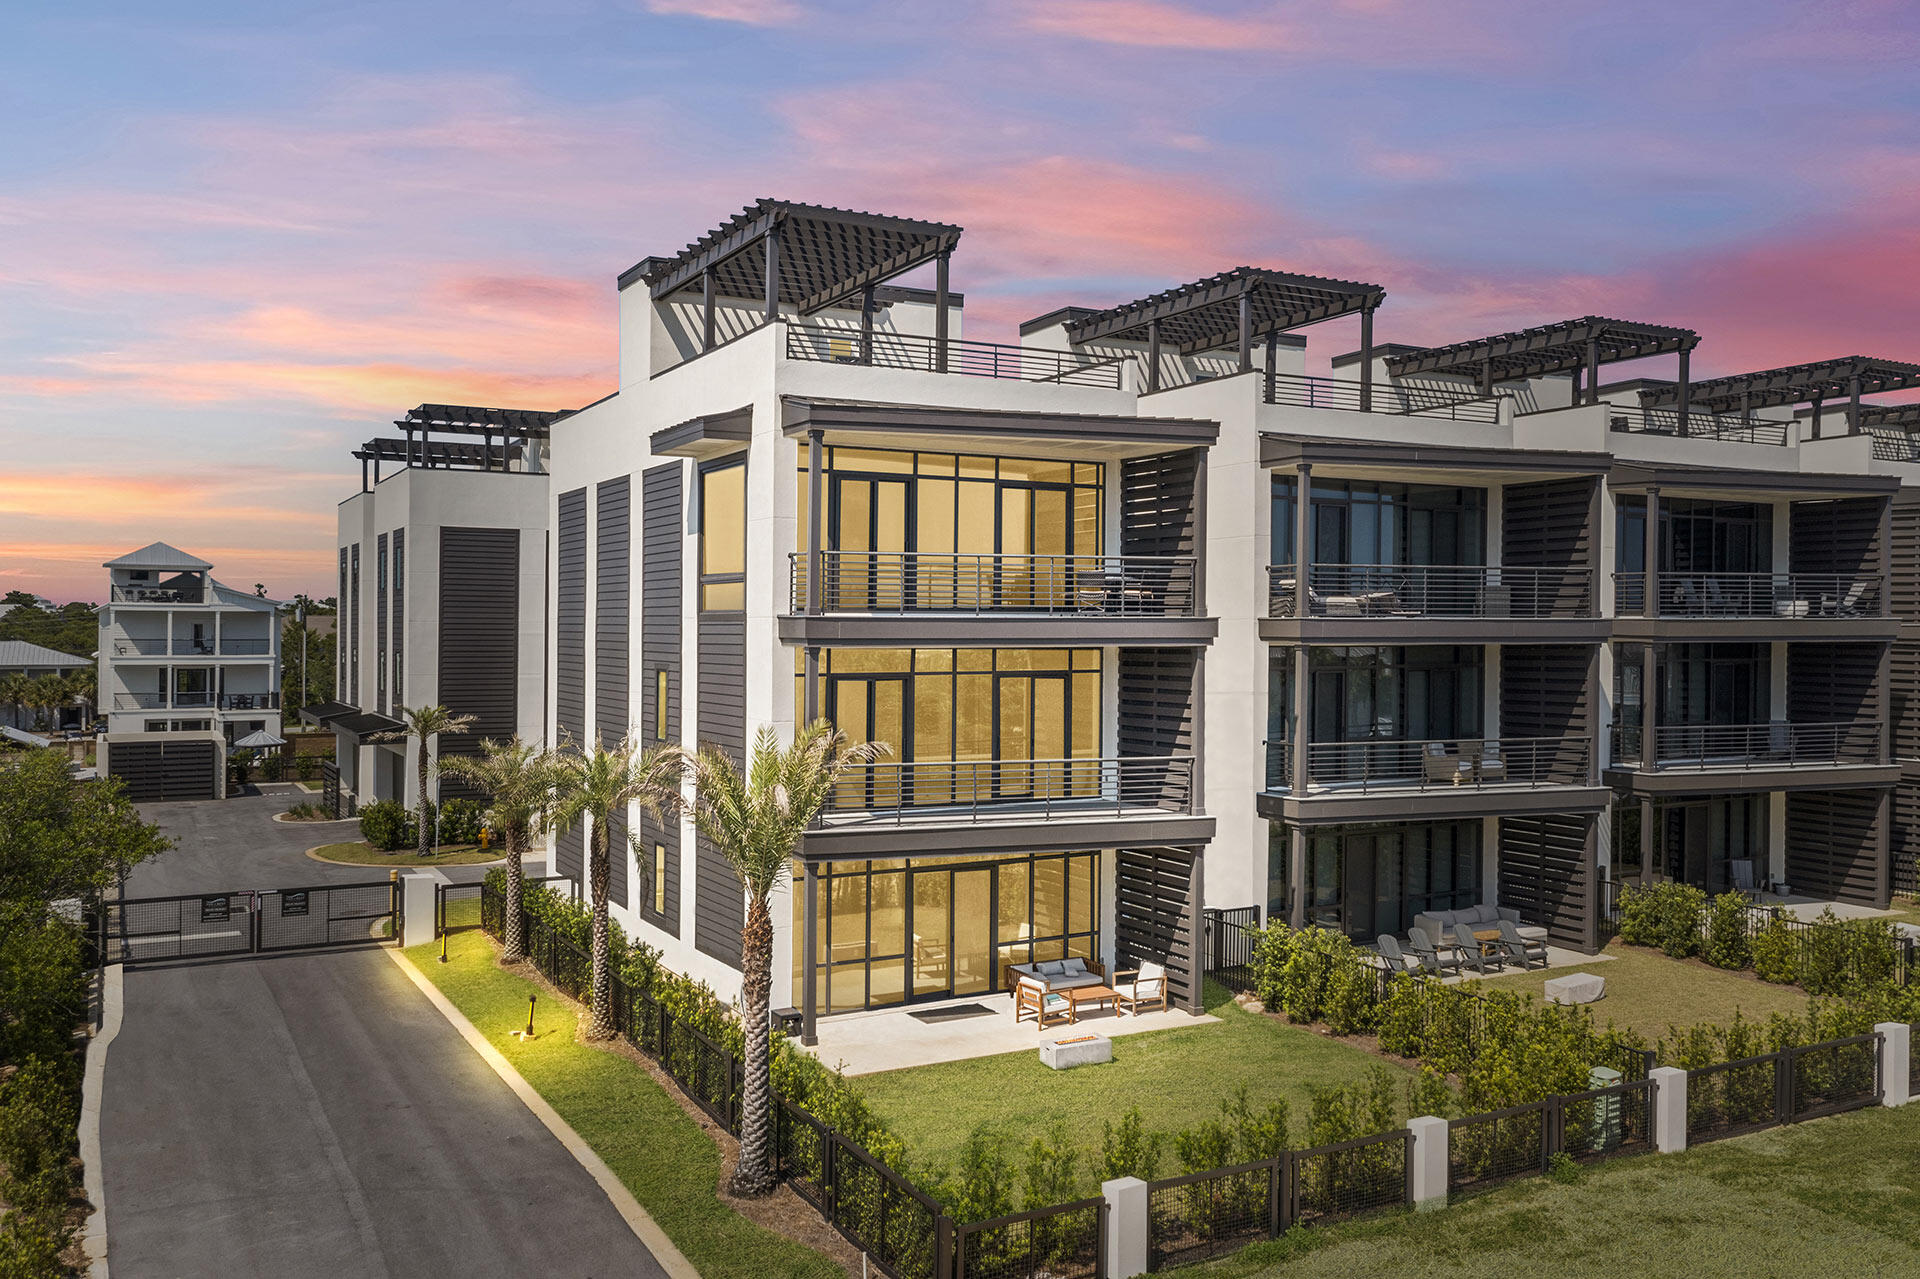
[443, 945]
[527, 1034]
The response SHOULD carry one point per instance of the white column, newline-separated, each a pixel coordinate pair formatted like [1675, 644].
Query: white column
[1669, 1109]
[1430, 1138]
[1896, 1052]
[417, 901]
[1126, 1241]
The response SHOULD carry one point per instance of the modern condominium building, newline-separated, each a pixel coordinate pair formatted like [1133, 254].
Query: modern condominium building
[1152, 622]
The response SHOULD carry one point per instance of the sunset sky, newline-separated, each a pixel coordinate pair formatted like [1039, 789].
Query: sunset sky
[237, 239]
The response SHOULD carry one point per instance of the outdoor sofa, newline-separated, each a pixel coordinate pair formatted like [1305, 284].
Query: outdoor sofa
[1441, 923]
[1056, 975]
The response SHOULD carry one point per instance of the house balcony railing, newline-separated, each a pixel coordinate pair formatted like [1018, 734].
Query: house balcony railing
[140, 646]
[139, 701]
[122, 594]
[241, 647]
[196, 701]
[1377, 764]
[1387, 397]
[1728, 428]
[1892, 445]
[187, 646]
[1432, 590]
[973, 791]
[249, 701]
[937, 582]
[1779, 744]
[1753, 595]
[888, 350]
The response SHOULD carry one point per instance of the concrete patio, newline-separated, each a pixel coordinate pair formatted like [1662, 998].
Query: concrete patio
[867, 1042]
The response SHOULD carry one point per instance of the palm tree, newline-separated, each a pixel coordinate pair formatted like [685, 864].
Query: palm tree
[424, 723]
[756, 821]
[83, 687]
[521, 779]
[15, 691]
[47, 694]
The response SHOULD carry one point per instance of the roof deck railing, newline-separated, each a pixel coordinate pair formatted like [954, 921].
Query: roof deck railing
[132, 594]
[1725, 428]
[943, 582]
[1753, 595]
[1386, 397]
[890, 350]
[1432, 590]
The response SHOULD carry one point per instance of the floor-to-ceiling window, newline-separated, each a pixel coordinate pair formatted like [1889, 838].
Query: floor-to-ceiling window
[1364, 704]
[907, 929]
[1368, 880]
[965, 725]
[952, 530]
[1696, 840]
[1380, 523]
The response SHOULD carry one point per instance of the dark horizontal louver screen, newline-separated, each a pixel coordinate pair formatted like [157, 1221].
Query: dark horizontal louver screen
[1548, 873]
[479, 641]
[570, 653]
[661, 601]
[721, 720]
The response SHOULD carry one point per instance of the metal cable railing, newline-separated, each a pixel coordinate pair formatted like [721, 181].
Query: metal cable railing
[889, 350]
[1730, 428]
[1387, 397]
[1373, 764]
[988, 790]
[1778, 743]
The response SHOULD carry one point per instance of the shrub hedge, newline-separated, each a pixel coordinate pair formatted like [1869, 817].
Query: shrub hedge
[1832, 956]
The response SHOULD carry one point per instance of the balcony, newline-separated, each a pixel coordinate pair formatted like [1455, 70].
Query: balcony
[192, 594]
[969, 792]
[1440, 764]
[1414, 401]
[910, 351]
[196, 701]
[1794, 604]
[1432, 590]
[1726, 428]
[231, 647]
[1749, 747]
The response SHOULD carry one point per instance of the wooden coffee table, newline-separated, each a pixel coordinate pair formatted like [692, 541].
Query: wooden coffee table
[1091, 996]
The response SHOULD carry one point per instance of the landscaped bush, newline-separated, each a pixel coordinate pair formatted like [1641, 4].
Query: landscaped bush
[1128, 1150]
[1776, 952]
[1727, 945]
[307, 811]
[460, 822]
[387, 826]
[1667, 916]
[1851, 954]
[1316, 975]
[273, 767]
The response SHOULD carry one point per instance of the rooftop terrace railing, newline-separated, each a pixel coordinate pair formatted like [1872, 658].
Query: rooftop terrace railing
[1753, 595]
[1895, 446]
[1730, 428]
[889, 350]
[1387, 397]
[158, 594]
[1001, 789]
[944, 582]
[1432, 590]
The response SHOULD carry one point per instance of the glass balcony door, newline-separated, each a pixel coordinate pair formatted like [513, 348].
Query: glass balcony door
[872, 516]
[872, 709]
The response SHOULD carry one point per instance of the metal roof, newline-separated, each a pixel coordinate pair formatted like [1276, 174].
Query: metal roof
[1205, 315]
[824, 255]
[1545, 349]
[159, 555]
[1795, 384]
[468, 420]
[20, 655]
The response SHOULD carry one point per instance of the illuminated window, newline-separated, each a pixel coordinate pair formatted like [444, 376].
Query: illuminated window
[660, 705]
[659, 879]
[723, 538]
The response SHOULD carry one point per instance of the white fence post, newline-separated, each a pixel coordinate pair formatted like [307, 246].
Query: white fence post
[1430, 1135]
[1126, 1241]
[416, 901]
[1896, 1054]
[1669, 1109]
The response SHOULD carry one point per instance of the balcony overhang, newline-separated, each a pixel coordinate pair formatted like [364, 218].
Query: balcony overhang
[1735, 483]
[858, 839]
[704, 438]
[1342, 806]
[1435, 630]
[1734, 779]
[1655, 630]
[1084, 435]
[986, 630]
[364, 724]
[1390, 459]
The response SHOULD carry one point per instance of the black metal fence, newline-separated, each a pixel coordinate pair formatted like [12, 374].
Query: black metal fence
[245, 921]
[1804, 1082]
[1520, 1141]
[1061, 1242]
[1231, 936]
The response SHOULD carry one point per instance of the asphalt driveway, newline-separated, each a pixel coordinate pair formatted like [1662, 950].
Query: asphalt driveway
[312, 1116]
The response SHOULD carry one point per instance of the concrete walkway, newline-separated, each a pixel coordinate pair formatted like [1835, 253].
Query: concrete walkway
[312, 1116]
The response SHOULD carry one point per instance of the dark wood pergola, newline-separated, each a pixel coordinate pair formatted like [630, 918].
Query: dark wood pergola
[435, 454]
[1847, 378]
[424, 420]
[1578, 347]
[1234, 308]
[806, 256]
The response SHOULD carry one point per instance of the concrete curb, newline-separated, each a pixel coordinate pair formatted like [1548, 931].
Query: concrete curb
[93, 1237]
[285, 820]
[637, 1218]
[313, 854]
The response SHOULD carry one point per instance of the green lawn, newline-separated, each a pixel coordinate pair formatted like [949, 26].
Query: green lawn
[359, 852]
[1829, 1197]
[1178, 1078]
[1649, 992]
[665, 1159]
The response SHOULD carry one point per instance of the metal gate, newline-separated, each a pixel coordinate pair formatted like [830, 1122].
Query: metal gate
[248, 921]
[330, 787]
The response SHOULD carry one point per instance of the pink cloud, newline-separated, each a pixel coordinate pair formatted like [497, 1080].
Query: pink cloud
[755, 13]
[1156, 24]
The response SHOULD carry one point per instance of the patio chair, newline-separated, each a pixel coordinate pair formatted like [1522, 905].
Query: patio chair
[1430, 955]
[1140, 988]
[1472, 953]
[1531, 954]
[1848, 605]
[1741, 870]
[1031, 999]
[1397, 960]
[1491, 768]
[1438, 766]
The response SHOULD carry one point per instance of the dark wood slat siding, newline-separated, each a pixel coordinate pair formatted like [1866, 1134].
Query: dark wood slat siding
[400, 616]
[381, 588]
[1832, 683]
[720, 717]
[661, 602]
[353, 632]
[1546, 691]
[1840, 536]
[479, 641]
[342, 690]
[157, 772]
[1157, 904]
[1904, 685]
[613, 568]
[1906, 560]
[1549, 873]
[1157, 515]
[1904, 839]
[570, 653]
[1835, 845]
[1157, 691]
[1549, 525]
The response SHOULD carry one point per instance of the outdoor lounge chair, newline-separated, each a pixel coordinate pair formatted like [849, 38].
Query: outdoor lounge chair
[1031, 999]
[1491, 768]
[1472, 954]
[1741, 871]
[1397, 960]
[1141, 988]
[1847, 605]
[1430, 955]
[1438, 766]
[1531, 954]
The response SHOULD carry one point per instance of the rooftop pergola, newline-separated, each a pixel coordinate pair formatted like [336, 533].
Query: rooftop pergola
[1890, 417]
[423, 421]
[808, 257]
[1847, 378]
[1578, 347]
[459, 419]
[437, 454]
[1234, 308]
